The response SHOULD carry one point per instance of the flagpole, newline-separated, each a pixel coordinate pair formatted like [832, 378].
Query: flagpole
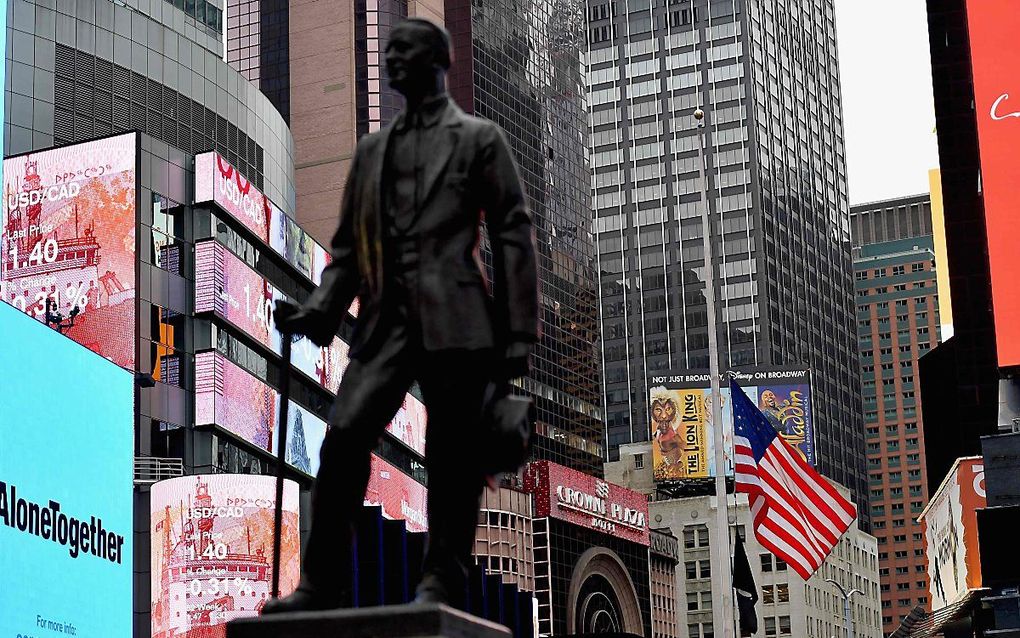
[722, 615]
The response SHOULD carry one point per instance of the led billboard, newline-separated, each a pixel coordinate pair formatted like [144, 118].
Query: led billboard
[951, 533]
[305, 434]
[587, 501]
[680, 418]
[212, 548]
[228, 397]
[67, 241]
[994, 52]
[230, 289]
[66, 492]
[401, 497]
[217, 181]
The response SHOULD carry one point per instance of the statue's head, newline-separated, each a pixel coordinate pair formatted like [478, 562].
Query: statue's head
[418, 55]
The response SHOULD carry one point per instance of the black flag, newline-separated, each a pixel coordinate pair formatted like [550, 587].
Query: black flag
[747, 592]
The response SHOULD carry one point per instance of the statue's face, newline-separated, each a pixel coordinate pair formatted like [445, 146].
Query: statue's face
[410, 56]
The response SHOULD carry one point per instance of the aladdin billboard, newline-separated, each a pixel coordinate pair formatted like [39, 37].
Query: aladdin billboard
[951, 533]
[578, 498]
[680, 418]
[212, 546]
[67, 241]
[994, 54]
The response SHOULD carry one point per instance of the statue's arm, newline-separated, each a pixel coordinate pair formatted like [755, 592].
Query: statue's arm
[329, 302]
[515, 272]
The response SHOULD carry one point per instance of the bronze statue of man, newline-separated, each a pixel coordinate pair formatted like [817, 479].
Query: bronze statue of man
[407, 246]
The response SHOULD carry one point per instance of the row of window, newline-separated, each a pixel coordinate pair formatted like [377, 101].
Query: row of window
[896, 271]
[893, 430]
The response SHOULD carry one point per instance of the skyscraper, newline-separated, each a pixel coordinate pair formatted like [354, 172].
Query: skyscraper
[766, 75]
[258, 47]
[897, 323]
[518, 65]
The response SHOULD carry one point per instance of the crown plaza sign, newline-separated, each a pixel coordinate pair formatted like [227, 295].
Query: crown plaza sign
[584, 500]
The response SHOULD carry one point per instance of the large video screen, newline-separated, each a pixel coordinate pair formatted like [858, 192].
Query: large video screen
[66, 490]
[228, 397]
[229, 288]
[305, 434]
[680, 418]
[67, 242]
[401, 497]
[212, 551]
[217, 181]
[995, 59]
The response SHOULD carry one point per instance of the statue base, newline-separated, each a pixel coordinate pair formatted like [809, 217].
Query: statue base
[395, 621]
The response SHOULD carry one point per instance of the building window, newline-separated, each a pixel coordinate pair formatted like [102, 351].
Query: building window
[768, 594]
[691, 568]
[639, 461]
[705, 568]
[766, 562]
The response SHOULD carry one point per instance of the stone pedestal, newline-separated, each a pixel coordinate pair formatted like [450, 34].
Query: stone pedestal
[396, 621]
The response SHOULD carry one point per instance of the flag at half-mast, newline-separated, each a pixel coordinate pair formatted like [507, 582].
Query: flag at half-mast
[798, 515]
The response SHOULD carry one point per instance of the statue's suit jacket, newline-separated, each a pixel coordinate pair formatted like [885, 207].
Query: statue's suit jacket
[471, 176]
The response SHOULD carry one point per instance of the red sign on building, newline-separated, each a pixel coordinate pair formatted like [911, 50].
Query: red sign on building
[587, 501]
[995, 51]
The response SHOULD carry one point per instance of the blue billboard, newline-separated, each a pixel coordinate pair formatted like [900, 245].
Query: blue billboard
[66, 470]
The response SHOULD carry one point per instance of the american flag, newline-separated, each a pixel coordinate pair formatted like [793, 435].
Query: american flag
[798, 515]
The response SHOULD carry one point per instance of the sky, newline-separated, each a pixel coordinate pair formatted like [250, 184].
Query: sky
[888, 112]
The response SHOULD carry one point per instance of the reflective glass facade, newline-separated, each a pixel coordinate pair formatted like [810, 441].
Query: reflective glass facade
[517, 64]
[86, 69]
[377, 102]
[258, 47]
[766, 75]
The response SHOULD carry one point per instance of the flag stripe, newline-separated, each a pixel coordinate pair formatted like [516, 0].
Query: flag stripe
[838, 508]
[795, 521]
[798, 515]
[820, 526]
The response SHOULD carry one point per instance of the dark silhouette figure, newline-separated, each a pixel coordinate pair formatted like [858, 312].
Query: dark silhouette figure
[407, 246]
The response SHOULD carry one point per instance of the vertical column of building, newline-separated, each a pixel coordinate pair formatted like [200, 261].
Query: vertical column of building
[897, 315]
[804, 251]
[525, 76]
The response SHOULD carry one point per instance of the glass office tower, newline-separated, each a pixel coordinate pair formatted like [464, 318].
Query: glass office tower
[765, 72]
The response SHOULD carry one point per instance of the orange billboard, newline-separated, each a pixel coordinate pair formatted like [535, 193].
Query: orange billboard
[950, 522]
[995, 58]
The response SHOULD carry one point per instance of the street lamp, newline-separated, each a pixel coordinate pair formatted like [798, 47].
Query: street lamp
[847, 595]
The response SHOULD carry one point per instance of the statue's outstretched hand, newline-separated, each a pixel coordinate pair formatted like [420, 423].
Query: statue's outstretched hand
[292, 319]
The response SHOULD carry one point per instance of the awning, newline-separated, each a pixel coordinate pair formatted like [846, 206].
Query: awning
[921, 624]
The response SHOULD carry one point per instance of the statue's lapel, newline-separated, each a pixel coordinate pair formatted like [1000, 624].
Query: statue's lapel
[447, 138]
[378, 162]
